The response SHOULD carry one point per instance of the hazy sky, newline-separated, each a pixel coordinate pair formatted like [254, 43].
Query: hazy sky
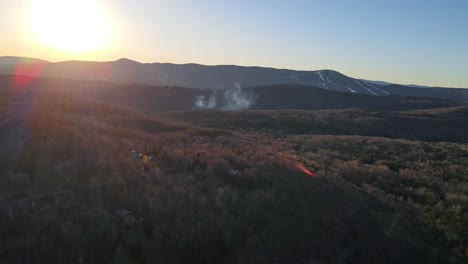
[402, 41]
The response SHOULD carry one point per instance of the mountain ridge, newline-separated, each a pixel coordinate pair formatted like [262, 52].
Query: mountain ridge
[216, 77]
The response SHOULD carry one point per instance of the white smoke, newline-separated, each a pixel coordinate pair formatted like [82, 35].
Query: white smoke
[237, 99]
[230, 99]
[202, 103]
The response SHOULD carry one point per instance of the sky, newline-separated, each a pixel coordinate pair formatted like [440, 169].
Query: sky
[402, 41]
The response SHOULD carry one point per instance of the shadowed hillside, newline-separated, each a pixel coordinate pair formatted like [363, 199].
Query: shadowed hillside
[164, 98]
[304, 97]
[442, 124]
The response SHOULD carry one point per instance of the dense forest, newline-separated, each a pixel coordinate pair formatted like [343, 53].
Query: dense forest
[229, 186]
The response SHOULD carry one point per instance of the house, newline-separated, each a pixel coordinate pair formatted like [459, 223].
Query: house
[136, 155]
[144, 161]
[127, 217]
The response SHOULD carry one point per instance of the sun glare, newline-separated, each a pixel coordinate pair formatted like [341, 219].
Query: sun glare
[70, 25]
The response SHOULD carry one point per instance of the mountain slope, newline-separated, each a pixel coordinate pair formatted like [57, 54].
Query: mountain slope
[305, 97]
[217, 77]
[11, 60]
[163, 98]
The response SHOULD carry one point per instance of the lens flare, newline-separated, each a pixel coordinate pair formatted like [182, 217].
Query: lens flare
[305, 170]
[26, 73]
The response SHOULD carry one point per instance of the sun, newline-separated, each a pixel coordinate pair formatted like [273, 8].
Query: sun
[70, 25]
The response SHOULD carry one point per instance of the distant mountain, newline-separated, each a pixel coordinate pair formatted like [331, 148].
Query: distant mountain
[219, 77]
[10, 60]
[387, 83]
[376, 82]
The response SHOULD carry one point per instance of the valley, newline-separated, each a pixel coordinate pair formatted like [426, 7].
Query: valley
[389, 175]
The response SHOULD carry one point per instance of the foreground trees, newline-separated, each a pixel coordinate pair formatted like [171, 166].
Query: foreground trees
[374, 199]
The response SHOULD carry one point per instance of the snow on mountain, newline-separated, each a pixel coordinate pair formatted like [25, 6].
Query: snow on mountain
[351, 90]
[365, 88]
[383, 91]
[321, 75]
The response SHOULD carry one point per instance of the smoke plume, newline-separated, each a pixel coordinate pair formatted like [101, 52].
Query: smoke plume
[229, 99]
[202, 103]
